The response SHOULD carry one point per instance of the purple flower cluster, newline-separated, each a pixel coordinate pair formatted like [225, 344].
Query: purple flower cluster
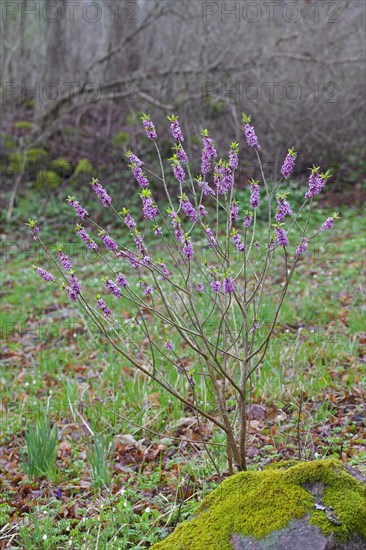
[228, 285]
[130, 257]
[134, 159]
[113, 288]
[64, 260]
[248, 219]
[75, 285]
[188, 209]
[211, 239]
[149, 127]
[101, 193]
[302, 246]
[146, 261]
[80, 211]
[103, 306]
[316, 182]
[157, 231]
[283, 209]
[328, 224]
[178, 231]
[175, 128]
[74, 289]
[208, 152]
[45, 275]
[251, 136]
[288, 163]
[121, 281]
[216, 286]
[233, 156]
[164, 270]
[188, 250]
[140, 245]
[255, 199]
[109, 242]
[202, 211]
[238, 243]
[147, 288]
[149, 208]
[136, 167]
[84, 236]
[234, 211]
[281, 235]
[129, 221]
[169, 345]
[182, 155]
[206, 189]
[139, 175]
[178, 170]
[223, 177]
[200, 287]
[257, 244]
[34, 229]
[71, 294]
[255, 326]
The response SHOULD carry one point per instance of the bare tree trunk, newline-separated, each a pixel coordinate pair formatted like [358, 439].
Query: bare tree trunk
[55, 69]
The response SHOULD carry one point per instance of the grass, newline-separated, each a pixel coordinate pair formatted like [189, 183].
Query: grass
[40, 443]
[98, 458]
[101, 493]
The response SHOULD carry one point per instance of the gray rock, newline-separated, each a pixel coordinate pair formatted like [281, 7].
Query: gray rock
[298, 535]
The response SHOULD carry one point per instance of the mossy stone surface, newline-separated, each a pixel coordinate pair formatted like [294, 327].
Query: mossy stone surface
[249, 509]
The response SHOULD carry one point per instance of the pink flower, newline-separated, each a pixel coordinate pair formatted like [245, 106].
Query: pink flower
[45, 275]
[289, 163]
[302, 246]
[101, 193]
[175, 128]
[105, 309]
[250, 134]
[255, 199]
[229, 285]
[216, 286]
[282, 238]
[149, 127]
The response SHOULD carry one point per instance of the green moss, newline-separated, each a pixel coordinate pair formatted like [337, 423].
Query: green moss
[257, 503]
[282, 464]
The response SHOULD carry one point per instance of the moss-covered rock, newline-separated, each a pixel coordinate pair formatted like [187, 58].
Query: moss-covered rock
[256, 510]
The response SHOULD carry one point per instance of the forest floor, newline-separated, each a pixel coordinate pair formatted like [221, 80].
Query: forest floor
[130, 462]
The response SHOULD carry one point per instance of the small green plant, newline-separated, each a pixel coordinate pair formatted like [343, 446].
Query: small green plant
[324, 412]
[16, 163]
[40, 532]
[36, 155]
[61, 166]
[23, 125]
[84, 167]
[98, 458]
[48, 179]
[40, 443]
[121, 139]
